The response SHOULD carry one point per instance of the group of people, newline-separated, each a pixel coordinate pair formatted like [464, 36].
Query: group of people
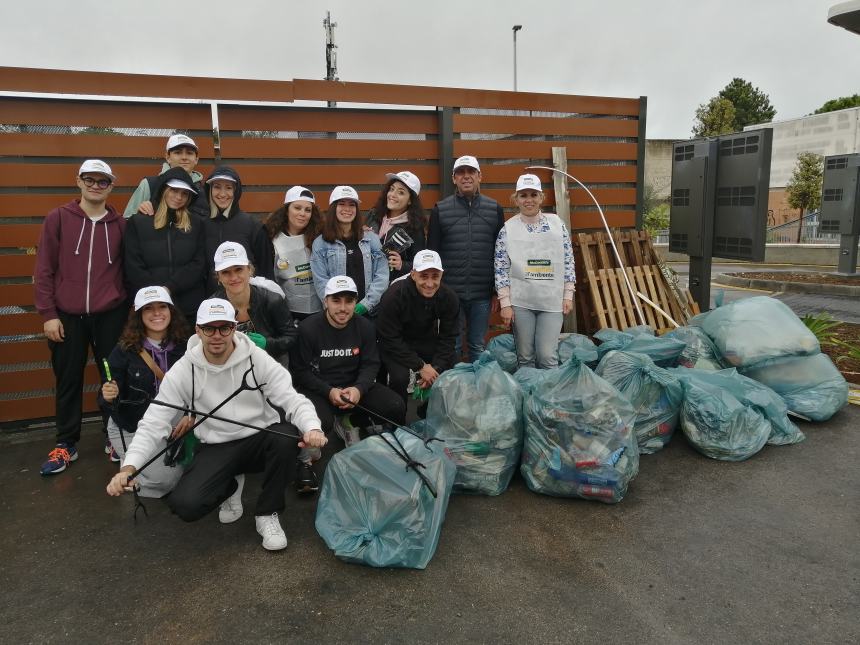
[305, 325]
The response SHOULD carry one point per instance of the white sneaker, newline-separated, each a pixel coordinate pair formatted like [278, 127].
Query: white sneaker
[231, 508]
[345, 430]
[269, 527]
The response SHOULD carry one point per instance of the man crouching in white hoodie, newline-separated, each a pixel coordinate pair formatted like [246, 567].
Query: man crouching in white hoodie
[212, 371]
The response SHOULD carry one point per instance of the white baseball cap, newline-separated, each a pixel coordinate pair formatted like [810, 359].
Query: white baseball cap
[96, 165]
[340, 284]
[297, 193]
[410, 179]
[528, 182]
[215, 310]
[180, 140]
[230, 254]
[467, 160]
[426, 259]
[221, 178]
[148, 295]
[178, 183]
[343, 192]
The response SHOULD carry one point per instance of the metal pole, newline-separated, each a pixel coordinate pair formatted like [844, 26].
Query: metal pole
[515, 28]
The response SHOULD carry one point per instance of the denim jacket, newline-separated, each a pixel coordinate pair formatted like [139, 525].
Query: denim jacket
[328, 259]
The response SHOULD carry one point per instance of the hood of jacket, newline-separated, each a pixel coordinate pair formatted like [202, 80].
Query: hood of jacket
[196, 176]
[237, 195]
[167, 175]
[242, 347]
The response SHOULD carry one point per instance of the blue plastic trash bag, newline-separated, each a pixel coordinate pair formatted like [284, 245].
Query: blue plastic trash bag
[750, 331]
[580, 346]
[579, 437]
[728, 416]
[373, 510]
[663, 351]
[504, 350]
[640, 330]
[700, 351]
[655, 394]
[476, 408]
[530, 377]
[810, 385]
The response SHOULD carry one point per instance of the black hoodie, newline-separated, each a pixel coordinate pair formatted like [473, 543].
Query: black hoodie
[167, 257]
[237, 227]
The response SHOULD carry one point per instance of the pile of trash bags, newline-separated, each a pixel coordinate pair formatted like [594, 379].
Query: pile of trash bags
[476, 409]
[373, 510]
[656, 395]
[700, 351]
[579, 439]
[663, 351]
[503, 349]
[580, 346]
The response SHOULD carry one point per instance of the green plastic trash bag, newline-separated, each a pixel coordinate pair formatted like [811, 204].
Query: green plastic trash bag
[728, 416]
[476, 409]
[749, 331]
[655, 394]
[504, 350]
[663, 351]
[700, 351]
[530, 377]
[374, 510]
[810, 385]
[640, 330]
[580, 346]
[579, 436]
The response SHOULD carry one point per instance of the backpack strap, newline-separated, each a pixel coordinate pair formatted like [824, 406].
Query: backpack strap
[159, 375]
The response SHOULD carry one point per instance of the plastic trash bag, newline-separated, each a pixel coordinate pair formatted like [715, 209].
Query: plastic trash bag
[579, 436]
[663, 351]
[810, 385]
[749, 331]
[640, 330]
[580, 346]
[373, 510]
[728, 416]
[504, 350]
[656, 396]
[476, 408]
[530, 378]
[700, 352]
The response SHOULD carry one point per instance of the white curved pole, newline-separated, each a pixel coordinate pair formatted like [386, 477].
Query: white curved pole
[633, 294]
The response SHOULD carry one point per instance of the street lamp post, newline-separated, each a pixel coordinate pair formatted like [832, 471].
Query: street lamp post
[515, 28]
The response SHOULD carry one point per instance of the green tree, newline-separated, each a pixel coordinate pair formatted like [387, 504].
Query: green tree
[804, 187]
[841, 103]
[751, 104]
[713, 118]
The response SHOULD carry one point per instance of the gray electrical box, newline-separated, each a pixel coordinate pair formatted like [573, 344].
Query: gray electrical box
[691, 198]
[840, 195]
[743, 183]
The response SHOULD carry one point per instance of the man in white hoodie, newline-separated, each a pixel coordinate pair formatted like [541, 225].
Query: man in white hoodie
[213, 370]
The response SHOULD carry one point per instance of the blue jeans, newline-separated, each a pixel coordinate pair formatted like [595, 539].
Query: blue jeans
[536, 335]
[474, 316]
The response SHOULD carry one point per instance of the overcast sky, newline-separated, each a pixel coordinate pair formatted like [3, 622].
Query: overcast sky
[678, 53]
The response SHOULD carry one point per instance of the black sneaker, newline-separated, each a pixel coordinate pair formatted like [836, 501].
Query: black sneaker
[306, 479]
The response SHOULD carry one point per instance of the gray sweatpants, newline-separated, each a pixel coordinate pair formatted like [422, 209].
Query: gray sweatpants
[157, 480]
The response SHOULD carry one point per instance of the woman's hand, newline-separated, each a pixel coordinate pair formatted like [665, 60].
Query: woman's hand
[110, 391]
[507, 314]
[395, 262]
[566, 306]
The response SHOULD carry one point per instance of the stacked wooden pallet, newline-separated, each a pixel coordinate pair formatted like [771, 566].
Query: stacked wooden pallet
[603, 297]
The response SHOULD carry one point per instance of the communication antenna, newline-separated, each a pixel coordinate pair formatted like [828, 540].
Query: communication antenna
[330, 52]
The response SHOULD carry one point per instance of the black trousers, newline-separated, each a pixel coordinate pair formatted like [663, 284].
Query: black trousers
[69, 358]
[210, 479]
[378, 399]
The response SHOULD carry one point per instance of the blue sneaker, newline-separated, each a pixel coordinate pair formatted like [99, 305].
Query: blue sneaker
[59, 458]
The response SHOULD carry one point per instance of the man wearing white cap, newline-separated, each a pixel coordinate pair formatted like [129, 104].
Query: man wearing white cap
[463, 229]
[417, 325]
[225, 370]
[80, 295]
[180, 152]
[336, 360]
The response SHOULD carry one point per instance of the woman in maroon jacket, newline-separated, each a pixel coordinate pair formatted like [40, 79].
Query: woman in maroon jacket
[80, 295]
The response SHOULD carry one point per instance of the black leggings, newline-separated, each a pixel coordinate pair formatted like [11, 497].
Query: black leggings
[378, 398]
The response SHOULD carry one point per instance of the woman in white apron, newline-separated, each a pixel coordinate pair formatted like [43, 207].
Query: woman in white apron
[292, 229]
[534, 275]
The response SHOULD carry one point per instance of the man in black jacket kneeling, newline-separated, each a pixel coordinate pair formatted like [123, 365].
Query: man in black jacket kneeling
[417, 325]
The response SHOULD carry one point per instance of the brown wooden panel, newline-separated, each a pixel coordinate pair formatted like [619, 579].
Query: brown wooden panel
[16, 294]
[193, 116]
[31, 205]
[584, 220]
[88, 146]
[604, 196]
[64, 174]
[17, 324]
[315, 175]
[454, 97]
[30, 351]
[39, 379]
[325, 120]
[20, 79]
[234, 147]
[590, 174]
[546, 125]
[18, 236]
[38, 407]
[16, 266]
[265, 202]
[543, 149]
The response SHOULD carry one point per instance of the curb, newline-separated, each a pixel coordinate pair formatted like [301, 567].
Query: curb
[788, 287]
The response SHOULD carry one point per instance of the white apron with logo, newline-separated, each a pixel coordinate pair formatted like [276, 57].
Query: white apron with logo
[293, 273]
[537, 264]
